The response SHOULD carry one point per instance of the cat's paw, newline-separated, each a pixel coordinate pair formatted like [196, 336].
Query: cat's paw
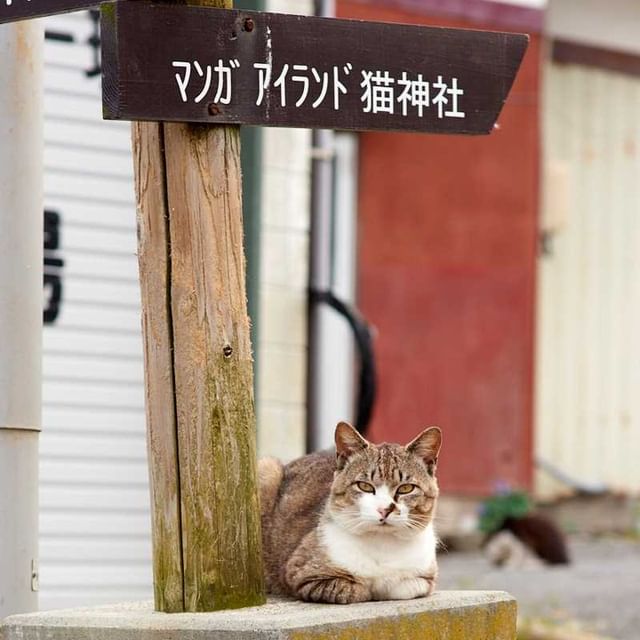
[432, 585]
[333, 591]
[405, 589]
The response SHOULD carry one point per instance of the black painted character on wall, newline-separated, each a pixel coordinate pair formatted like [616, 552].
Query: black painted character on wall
[52, 266]
[93, 41]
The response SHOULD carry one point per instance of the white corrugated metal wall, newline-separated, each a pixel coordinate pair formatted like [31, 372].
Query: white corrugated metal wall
[94, 519]
[588, 364]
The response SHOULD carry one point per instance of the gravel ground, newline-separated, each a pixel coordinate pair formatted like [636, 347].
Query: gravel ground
[601, 587]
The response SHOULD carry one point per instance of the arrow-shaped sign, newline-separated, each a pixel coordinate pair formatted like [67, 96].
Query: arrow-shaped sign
[195, 64]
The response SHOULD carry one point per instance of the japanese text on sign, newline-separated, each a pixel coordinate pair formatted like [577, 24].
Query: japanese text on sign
[298, 85]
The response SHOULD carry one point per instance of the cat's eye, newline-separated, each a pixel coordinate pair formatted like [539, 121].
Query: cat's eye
[366, 487]
[403, 489]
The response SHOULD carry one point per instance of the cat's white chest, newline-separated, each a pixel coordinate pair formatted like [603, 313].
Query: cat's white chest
[380, 557]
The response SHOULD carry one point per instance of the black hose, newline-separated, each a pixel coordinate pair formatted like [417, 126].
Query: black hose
[367, 380]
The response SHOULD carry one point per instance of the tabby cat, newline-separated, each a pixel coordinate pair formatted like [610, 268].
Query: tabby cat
[353, 525]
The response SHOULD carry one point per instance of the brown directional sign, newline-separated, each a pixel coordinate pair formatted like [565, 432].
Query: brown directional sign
[13, 10]
[196, 64]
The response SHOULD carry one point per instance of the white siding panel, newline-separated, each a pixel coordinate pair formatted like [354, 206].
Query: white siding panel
[75, 368]
[80, 446]
[115, 421]
[588, 406]
[65, 340]
[89, 395]
[68, 56]
[124, 295]
[60, 597]
[62, 473]
[103, 498]
[94, 496]
[99, 216]
[76, 23]
[90, 135]
[73, 550]
[88, 186]
[77, 105]
[104, 576]
[102, 317]
[93, 523]
[102, 266]
[59, 157]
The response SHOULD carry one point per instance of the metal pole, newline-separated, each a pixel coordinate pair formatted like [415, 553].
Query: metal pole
[318, 435]
[21, 224]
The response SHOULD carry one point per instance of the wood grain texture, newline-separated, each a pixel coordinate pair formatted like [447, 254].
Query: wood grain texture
[153, 260]
[199, 377]
[213, 370]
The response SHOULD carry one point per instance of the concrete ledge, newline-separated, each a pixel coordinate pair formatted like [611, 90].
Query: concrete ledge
[447, 615]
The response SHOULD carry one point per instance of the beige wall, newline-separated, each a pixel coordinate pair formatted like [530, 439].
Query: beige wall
[282, 341]
[588, 360]
[614, 24]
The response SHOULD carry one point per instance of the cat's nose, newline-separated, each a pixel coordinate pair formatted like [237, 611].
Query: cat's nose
[385, 511]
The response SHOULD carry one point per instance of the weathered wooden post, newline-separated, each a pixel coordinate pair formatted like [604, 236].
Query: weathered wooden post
[198, 366]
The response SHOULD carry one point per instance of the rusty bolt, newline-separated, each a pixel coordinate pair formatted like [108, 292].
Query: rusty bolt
[227, 351]
[249, 24]
[214, 109]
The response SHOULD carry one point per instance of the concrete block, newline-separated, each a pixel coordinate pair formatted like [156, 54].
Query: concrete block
[447, 615]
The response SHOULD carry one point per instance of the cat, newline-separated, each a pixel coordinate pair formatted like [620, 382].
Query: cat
[527, 541]
[354, 525]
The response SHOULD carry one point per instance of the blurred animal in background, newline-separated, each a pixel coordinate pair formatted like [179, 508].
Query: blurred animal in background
[518, 537]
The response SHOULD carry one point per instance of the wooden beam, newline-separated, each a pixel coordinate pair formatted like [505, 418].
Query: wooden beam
[199, 371]
[155, 285]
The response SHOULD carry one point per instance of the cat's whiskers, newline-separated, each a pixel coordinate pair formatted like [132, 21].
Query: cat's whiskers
[443, 519]
[415, 524]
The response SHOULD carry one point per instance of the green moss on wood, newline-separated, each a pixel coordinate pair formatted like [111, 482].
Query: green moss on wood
[108, 13]
[223, 554]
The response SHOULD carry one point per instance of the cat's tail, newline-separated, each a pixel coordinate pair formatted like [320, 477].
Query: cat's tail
[270, 475]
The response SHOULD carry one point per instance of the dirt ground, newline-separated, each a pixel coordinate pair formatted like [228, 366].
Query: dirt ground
[601, 588]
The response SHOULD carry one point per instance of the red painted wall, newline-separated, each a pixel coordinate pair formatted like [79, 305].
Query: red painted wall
[447, 241]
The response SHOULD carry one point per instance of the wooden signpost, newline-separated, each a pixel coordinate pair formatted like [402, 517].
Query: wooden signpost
[188, 64]
[13, 10]
[209, 66]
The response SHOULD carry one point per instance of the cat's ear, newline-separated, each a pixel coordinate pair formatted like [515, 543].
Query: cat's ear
[348, 442]
[427, 446]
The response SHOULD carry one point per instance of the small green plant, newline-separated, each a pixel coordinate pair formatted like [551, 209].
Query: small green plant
[496, 509]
